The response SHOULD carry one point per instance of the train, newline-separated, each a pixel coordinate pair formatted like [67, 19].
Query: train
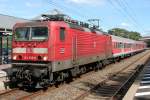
[49, 51]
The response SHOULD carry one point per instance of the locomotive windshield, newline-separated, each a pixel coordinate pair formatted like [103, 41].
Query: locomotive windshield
[22, 33]
[31, 33]
[39, 33]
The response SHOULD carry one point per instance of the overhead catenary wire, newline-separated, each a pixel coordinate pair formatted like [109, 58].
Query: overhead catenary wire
[123, 10]
[77, 12]
[120, 5]
[125, 7]
[118, 9]
[132, 13]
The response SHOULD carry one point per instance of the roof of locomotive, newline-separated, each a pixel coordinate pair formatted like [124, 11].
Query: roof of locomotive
[62, 19]
[70, 25]
[74, 24]
[30, 23]
[125, 40]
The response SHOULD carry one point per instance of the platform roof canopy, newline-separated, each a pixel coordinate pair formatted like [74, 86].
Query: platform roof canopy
[7, 22]
[145, 38]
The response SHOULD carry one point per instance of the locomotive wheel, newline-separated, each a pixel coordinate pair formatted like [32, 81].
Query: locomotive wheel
[98, 66]
[112, 60]
[75, 71]
[70, 78]
[95, 67]
[83, 70]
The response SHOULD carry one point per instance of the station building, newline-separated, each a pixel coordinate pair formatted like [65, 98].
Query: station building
[146, 39]
[6, 25]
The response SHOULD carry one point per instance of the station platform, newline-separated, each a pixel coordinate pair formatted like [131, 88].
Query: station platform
[140, 89]
[2, 68]
[3, 75]
[5, 66]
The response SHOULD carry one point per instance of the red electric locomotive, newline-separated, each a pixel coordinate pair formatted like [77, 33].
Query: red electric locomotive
[55, 48]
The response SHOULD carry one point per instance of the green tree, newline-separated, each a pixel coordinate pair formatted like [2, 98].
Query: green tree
[124, 33]
[134, 35]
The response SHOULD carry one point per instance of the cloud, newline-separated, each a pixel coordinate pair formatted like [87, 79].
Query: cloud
[125, 24]
[33, 4]
[146, 32]
[89, 2]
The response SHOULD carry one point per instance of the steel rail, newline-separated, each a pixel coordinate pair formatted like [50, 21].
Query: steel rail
[86, 93]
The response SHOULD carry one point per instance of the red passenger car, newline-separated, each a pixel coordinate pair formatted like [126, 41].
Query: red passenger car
[123, 47]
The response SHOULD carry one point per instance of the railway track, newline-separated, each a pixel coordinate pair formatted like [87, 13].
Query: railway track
[17, 94]
[113, 87]
[109, 87]
[87, 82]
[14, 94]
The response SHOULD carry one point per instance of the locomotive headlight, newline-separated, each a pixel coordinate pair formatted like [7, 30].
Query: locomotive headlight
[14, 57]
[45, 58]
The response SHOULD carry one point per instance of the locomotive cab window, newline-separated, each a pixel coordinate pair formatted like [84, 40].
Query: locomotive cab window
[62, 34]
[39, 33]
[22, 33]
[31, 33]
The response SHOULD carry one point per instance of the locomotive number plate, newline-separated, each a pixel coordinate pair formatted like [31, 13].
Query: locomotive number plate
[29, 50]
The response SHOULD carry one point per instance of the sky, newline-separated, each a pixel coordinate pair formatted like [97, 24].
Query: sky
[133, 15]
